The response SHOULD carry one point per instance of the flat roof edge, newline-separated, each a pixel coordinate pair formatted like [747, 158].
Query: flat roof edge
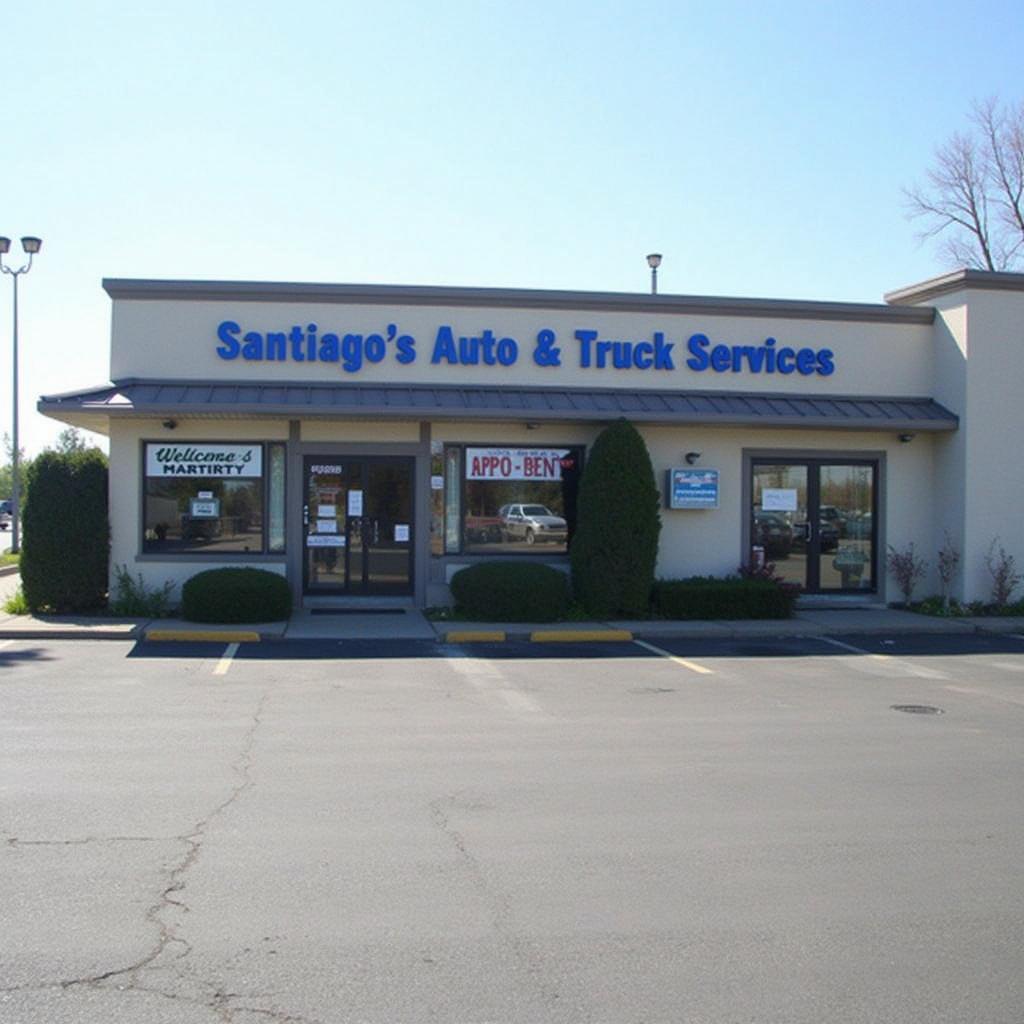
[957, 280]
[524, 298]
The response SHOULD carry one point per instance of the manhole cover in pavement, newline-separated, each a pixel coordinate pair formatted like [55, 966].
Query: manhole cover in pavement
[917, 709]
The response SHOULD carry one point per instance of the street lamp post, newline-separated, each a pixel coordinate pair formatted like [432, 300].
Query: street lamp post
[31, 246]
[654, 261]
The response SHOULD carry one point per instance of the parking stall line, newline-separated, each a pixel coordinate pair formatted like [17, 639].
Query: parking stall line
[224, 664]
[686, 663]
[898, 663]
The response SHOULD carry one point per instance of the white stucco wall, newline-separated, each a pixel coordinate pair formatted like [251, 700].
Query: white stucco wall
[980, 376]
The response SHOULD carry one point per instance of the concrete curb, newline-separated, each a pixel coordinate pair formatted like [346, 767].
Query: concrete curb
[72, 633]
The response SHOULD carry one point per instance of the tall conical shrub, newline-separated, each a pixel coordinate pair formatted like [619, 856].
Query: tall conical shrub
[66, 546]
[615, 546]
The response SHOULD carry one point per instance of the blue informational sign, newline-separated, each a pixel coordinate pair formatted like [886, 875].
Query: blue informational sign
[692, 488]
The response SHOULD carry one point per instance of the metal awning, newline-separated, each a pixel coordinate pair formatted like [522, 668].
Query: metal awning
[133, 398]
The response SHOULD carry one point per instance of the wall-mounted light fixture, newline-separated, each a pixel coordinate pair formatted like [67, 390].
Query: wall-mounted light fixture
[170, 424]
[907, 438]
[692, 457]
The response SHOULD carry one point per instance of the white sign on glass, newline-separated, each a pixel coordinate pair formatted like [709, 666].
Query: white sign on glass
[401, 532]
[779, 499]
[327, 526]
[355, 503]
[514, 463]
[221, 460]
[327, 511]
[437, 483]
[325, 540]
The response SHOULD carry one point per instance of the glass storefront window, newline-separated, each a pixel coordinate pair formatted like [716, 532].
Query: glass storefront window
[203, 498]
[437, 498]
[275, 497]
[513, 500]
[452, 499]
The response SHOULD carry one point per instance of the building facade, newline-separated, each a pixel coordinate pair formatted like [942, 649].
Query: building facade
[367, 442]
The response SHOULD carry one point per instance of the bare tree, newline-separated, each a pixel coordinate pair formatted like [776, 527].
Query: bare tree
[974, 196]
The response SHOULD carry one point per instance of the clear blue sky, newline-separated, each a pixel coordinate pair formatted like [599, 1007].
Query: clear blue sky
[760, 147]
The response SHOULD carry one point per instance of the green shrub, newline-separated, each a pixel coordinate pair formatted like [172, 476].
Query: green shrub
[236, 595]
[706, 597]
[511, 592]
[16, 604]
[615, 546]
[66, 546]
[132, 597]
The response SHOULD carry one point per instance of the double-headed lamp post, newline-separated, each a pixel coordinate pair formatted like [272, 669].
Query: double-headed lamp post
[31, 246]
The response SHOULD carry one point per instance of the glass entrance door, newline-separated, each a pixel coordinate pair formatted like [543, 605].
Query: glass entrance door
[814, 519]
[358, 525]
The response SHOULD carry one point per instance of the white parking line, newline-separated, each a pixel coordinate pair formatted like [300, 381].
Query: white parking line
[905, 667]
[976, 691]
[489, 680]
[691, 665]
[225, 662]
[5, 643]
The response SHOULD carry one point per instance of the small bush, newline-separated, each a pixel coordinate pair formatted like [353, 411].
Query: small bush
[236, 595]
[707, 597]
[134, 598]
[16, 604]
[907, 568]
[1002, 567]
[511, 592]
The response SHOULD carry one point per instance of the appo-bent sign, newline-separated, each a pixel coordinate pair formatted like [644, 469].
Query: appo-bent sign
[514, 463]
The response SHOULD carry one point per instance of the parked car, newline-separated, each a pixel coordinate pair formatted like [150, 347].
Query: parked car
[830, 514]
[773, 533]
[5, 514]
[484, 529]
[828, 535]
[536, 524]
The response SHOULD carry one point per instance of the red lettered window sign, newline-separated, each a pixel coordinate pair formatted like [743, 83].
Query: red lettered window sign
[514, 463]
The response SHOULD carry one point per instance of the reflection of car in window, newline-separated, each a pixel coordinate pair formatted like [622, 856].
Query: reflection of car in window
[536, 524]
[831, 515]
[773, 533]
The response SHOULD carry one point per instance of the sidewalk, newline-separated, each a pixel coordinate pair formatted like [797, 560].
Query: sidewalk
[412, 625]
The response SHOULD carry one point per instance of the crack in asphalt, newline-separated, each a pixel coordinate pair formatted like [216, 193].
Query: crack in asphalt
[522, 951]
[158, 914]
[16, 841]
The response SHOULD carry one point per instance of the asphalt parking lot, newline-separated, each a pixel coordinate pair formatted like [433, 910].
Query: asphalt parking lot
[691, 830]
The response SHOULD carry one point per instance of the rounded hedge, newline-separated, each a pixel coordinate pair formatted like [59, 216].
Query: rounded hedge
[511, 592]
[236, 595]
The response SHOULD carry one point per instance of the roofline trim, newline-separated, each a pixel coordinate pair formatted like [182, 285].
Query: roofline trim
[520, 298]
[957, 280]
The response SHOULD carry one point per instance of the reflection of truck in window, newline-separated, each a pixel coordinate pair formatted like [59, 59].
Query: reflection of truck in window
[483, 529]
[536, 524]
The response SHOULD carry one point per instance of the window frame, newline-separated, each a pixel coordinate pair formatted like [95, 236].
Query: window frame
[264, 552]
[577, 448]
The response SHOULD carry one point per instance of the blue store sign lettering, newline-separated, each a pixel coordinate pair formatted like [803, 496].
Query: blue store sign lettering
[586, 350]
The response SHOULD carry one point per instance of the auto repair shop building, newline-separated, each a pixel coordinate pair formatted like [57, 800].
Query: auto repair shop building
[370, 440]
